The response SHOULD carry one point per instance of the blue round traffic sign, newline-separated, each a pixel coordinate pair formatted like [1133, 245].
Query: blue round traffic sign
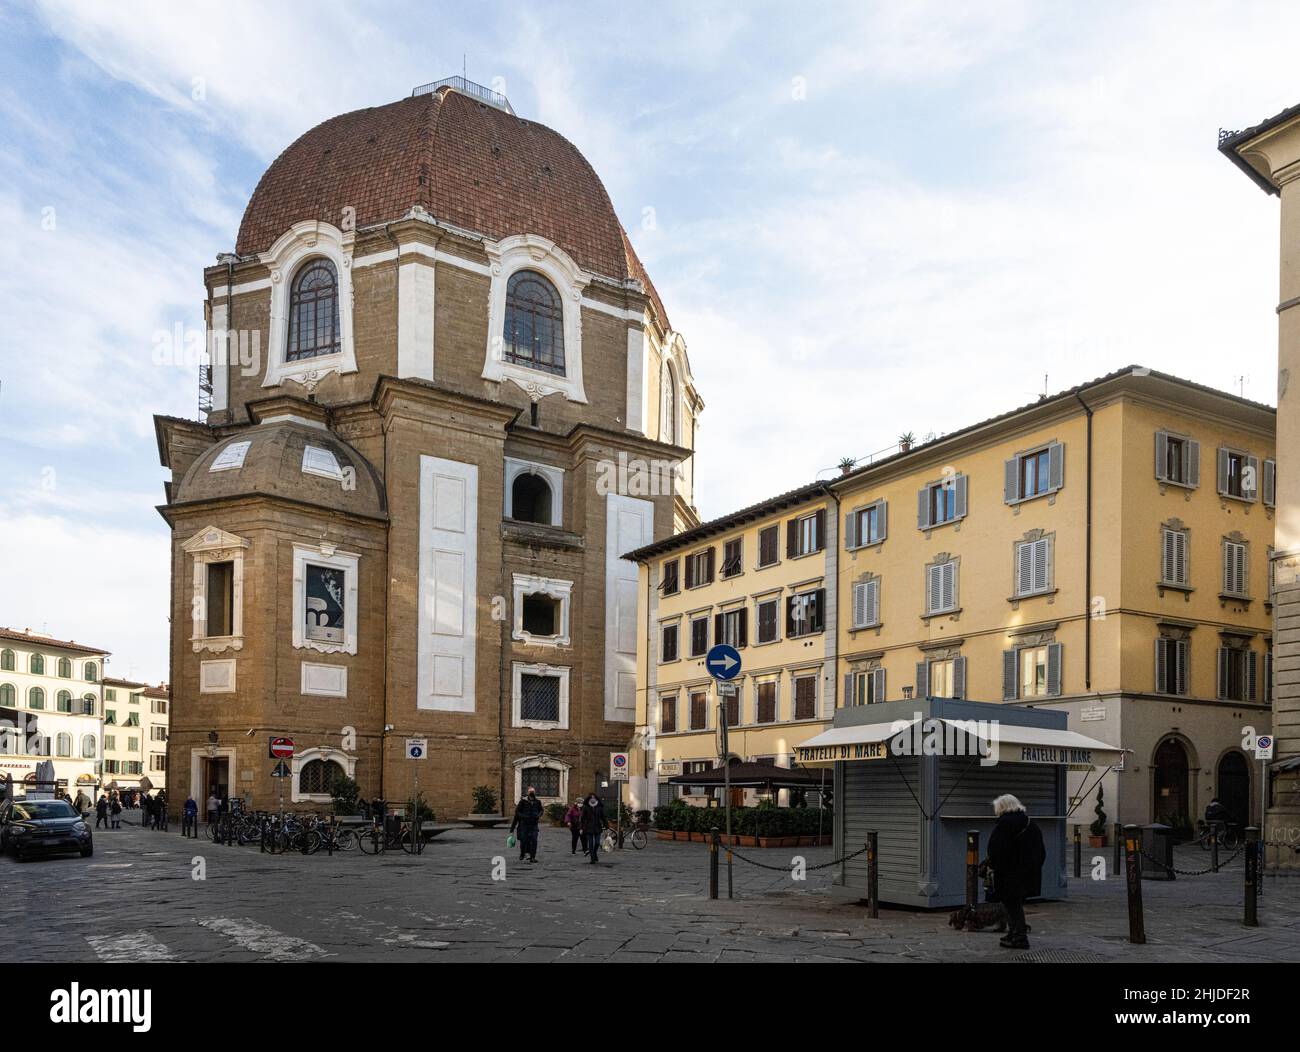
[723, 662]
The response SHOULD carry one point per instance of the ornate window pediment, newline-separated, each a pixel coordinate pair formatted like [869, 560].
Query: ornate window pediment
[217, 597]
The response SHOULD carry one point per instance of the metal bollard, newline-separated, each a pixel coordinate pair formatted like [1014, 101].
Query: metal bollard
[1133, 875]
[1214, 850]
[873, 877]
[1078, 853]
[713, 863]
[1252, 869]
[329, 843]
[972, 876]
[1119, 849]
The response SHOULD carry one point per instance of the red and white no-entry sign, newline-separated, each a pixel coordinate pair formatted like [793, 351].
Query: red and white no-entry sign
[281, 748]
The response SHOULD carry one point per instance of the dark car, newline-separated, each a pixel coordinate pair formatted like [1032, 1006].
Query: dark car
[28, 827]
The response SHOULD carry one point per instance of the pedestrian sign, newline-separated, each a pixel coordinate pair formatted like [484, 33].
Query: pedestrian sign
[723, 662]
[281, 770]
[618, 766]
[417, 748]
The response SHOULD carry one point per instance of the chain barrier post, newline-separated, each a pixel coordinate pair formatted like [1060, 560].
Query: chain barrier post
[972, 876]
[713, 863]
[873, 875]
[1118, 863]
[1078, 854]
[1252, 865]
[1214, 850]
[1133, 875]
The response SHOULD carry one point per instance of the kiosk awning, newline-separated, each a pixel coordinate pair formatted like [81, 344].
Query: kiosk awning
[995, 742]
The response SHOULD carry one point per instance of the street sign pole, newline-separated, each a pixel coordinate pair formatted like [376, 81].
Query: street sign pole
[726, 778]
[723, 663]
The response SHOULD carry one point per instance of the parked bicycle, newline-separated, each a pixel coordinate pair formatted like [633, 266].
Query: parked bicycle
[634, 834]
[392, 833]
[1229, 837]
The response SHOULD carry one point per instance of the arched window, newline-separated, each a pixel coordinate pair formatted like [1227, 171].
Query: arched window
[534, 333]
[314, 311]
[6, 660]
[37, 665]
[8, 696]
[65, 668]
[668, 426]
[317, 776]
[36, 698]
[530, 499]
[65, 744]
[88, 747]
[63, 701]
[40, 746]
[88, 705]
[91, 672]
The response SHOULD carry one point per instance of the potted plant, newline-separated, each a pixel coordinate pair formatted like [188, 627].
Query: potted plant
[485, 800]
[1097, 831]
[555, 812]
[344, 792]
[905, 441]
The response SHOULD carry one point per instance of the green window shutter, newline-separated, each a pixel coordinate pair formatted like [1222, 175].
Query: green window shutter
[1192, 462]
[1056, 465]
[849, 697]
[1181, 648]
[1011, 480]
[878, 685]
[1042, 559]
[882, 521]
[923, 509]
[1251, 475]
[1221, 678]
[960, 500]
[1270, 483]
[1160, 664]
[949, 578]
[851, 530]
[873, 602]
[1222, 471]
[922, 679]
[1010, 668]
[959, 678]
[1162, 454]
[1024, 568]
[1055, 652]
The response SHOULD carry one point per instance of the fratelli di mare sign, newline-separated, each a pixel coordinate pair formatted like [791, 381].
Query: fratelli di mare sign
[855, 751]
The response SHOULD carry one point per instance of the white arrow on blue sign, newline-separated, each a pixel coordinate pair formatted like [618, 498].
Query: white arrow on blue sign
[723, 662]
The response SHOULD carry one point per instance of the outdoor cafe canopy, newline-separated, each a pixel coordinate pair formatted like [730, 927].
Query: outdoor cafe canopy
[756, 776]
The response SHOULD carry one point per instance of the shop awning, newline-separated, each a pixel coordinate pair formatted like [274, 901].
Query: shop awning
[755, 776]
[993, 742]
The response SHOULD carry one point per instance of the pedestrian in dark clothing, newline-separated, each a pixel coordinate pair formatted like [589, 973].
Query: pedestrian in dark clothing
[528, 814]
[363, 808]
[593, 825]
[573, 819]
[101, 811]
[115, 809]
[160, 811]
[1016, 856]
[189, 816]
[1217, 817]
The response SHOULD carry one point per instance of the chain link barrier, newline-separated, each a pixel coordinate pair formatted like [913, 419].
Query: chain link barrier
[786, 868]
[1193, 872]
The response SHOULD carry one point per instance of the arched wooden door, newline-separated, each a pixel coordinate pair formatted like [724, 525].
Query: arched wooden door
[1232, 786]
[1169, 770]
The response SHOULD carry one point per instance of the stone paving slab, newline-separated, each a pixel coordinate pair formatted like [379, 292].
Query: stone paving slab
[137, 896]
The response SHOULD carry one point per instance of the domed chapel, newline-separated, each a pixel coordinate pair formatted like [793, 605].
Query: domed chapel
[444, 399]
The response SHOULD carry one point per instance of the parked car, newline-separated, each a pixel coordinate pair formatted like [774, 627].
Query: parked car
[28, 827]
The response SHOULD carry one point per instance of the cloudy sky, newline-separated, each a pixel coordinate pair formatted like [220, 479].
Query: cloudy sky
[866, 219]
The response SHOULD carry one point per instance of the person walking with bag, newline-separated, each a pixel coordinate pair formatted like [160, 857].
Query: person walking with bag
[528, 814]
[101, 811]
[1016, 856]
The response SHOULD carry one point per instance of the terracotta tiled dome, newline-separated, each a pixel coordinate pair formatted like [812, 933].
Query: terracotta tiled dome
[466, 163]
[271, 464]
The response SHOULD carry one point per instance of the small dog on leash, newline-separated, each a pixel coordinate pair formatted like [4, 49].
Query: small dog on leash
[983, 915]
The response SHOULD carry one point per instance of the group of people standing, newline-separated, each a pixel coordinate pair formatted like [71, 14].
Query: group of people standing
[585, 819]
[110, 805]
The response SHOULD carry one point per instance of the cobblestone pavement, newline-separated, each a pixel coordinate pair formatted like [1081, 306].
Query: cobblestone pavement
[135, 900]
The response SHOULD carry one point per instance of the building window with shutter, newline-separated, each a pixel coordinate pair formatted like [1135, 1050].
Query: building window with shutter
[732, 561]
[866, 526]
[941, 588]
[1270, 483]
[699, 711]
[699, 636]
[1171, 665]
[866, 602]
[668, 648]
[699, 568]
[866, 687]
[1238, 474]
[944, 677]
[1178, 460]
[1173, 557]
[1237, 674]
[1032, 671]
[731, 706]
[941, 502]
[1035, 473]
[1033, 567]
[765, 702]
[732, 628]
[769, 546]
[670, 583]
[1236, 567]
[768, 616]
[805, 697]
[668, 714]
[806, 535]
[805, 613]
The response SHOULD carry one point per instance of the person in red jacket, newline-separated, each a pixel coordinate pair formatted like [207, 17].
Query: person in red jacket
[573, 819]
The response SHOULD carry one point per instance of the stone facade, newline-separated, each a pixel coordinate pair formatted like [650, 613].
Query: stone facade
[386, 472]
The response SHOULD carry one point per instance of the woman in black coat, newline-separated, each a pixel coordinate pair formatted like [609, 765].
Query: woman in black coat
[593, 824]
[1016, 855]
